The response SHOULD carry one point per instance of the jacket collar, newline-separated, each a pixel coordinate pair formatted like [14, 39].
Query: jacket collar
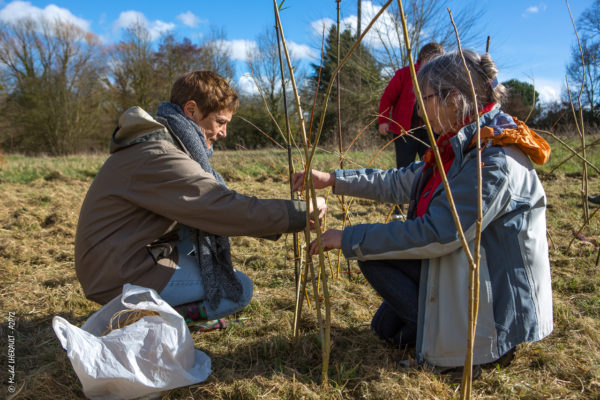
[494, 118]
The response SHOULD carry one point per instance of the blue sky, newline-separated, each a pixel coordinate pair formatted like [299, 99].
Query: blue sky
[530, 40]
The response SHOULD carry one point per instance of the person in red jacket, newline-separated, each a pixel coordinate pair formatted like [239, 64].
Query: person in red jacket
[399, 99]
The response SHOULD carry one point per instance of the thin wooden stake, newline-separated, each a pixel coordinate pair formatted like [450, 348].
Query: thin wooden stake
[434, 147]
[573, 151]
[560, 164]
[339, 124]
[289, 153]
[310, 195]
[581, 127]
[467, 378]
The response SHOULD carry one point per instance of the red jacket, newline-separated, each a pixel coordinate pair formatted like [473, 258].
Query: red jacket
[399, 98]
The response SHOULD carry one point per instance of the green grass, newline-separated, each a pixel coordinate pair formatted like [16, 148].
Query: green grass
[22, 169]
[573, 166]
[263, 164]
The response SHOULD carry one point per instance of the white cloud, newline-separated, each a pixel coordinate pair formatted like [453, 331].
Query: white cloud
[246, 85]
[16, 10]
[317, 26]
[382, 29]
[549, 90]
[155, 28]
[128, 18]
[238, 49]
[188, 18]
[534, 10]
[300, 51]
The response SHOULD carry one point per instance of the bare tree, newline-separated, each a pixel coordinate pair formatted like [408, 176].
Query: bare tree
[585, 59]
[132, 78]
[174, 59]
[265, 64]
[215, 56]
[50, 77]
[427, 22]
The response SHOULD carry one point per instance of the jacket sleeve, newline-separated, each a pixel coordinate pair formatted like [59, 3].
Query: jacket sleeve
[176, 187]
[389, 98]
[389, 186]
[434, 234]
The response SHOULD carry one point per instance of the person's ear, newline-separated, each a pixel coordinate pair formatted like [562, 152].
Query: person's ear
[190, 109]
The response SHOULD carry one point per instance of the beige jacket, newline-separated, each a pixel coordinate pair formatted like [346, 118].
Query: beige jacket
[127, 225]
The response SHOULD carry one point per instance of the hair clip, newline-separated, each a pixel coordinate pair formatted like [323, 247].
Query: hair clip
[494, 83]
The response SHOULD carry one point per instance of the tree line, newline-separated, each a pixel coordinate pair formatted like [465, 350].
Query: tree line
[62, 90]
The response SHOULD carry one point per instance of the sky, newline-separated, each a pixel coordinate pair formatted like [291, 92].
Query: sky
[531, 40]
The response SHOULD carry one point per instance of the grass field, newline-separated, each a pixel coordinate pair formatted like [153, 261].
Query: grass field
[39, 208]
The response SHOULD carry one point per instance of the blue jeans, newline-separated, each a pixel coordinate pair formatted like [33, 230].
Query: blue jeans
[397, 281]
[185, 285]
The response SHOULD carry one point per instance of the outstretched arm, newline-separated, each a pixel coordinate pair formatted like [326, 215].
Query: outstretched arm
[320, 179]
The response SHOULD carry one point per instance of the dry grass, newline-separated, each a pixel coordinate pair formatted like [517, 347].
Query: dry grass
[256, 358]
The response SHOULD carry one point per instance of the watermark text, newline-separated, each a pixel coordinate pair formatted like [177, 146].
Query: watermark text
[10, 351]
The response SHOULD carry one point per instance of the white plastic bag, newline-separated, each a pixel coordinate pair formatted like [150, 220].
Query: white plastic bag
[147, 357]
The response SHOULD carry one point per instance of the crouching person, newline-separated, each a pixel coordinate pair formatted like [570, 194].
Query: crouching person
[159, 216]
[418, 266]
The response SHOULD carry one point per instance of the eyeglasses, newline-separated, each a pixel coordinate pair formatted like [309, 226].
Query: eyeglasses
[429, 96]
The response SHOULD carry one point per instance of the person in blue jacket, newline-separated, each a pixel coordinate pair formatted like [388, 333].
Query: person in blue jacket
[419, 266]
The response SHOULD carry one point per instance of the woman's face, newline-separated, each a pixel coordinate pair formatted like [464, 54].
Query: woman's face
[214, 125]
[442, 114]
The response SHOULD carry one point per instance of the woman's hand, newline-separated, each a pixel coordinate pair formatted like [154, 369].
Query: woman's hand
[321, 209]
[383, 128]
[320, 179]
[331, 239]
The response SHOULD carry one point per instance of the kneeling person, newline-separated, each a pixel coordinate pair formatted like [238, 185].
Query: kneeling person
[158, 215]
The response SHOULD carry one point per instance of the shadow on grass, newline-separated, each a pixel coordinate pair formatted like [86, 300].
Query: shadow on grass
[42, 369]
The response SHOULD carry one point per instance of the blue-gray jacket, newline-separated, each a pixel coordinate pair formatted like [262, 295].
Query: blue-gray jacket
[515, 297]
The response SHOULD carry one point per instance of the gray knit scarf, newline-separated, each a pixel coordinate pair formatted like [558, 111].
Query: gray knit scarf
[213, 252]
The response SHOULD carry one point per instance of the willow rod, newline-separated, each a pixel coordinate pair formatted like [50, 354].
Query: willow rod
[573, 151]
[434, 147]
[467, 379]
[339, 129]
[335, 72]
[560, 164]
[581, 130]
[289, 152]
[311, 195]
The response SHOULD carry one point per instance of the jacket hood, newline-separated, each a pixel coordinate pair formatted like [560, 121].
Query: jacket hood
[136, 125]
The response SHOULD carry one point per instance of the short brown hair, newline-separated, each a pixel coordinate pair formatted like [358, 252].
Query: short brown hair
[429, 51]
[210, 91]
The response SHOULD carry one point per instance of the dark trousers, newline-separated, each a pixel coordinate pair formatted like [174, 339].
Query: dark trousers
[397, 281]
[407, 148]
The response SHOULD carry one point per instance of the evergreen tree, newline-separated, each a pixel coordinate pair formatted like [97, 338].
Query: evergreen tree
[522, 100]
[361, 85]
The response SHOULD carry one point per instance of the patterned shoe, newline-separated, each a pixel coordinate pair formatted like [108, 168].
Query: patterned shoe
[192, 311]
